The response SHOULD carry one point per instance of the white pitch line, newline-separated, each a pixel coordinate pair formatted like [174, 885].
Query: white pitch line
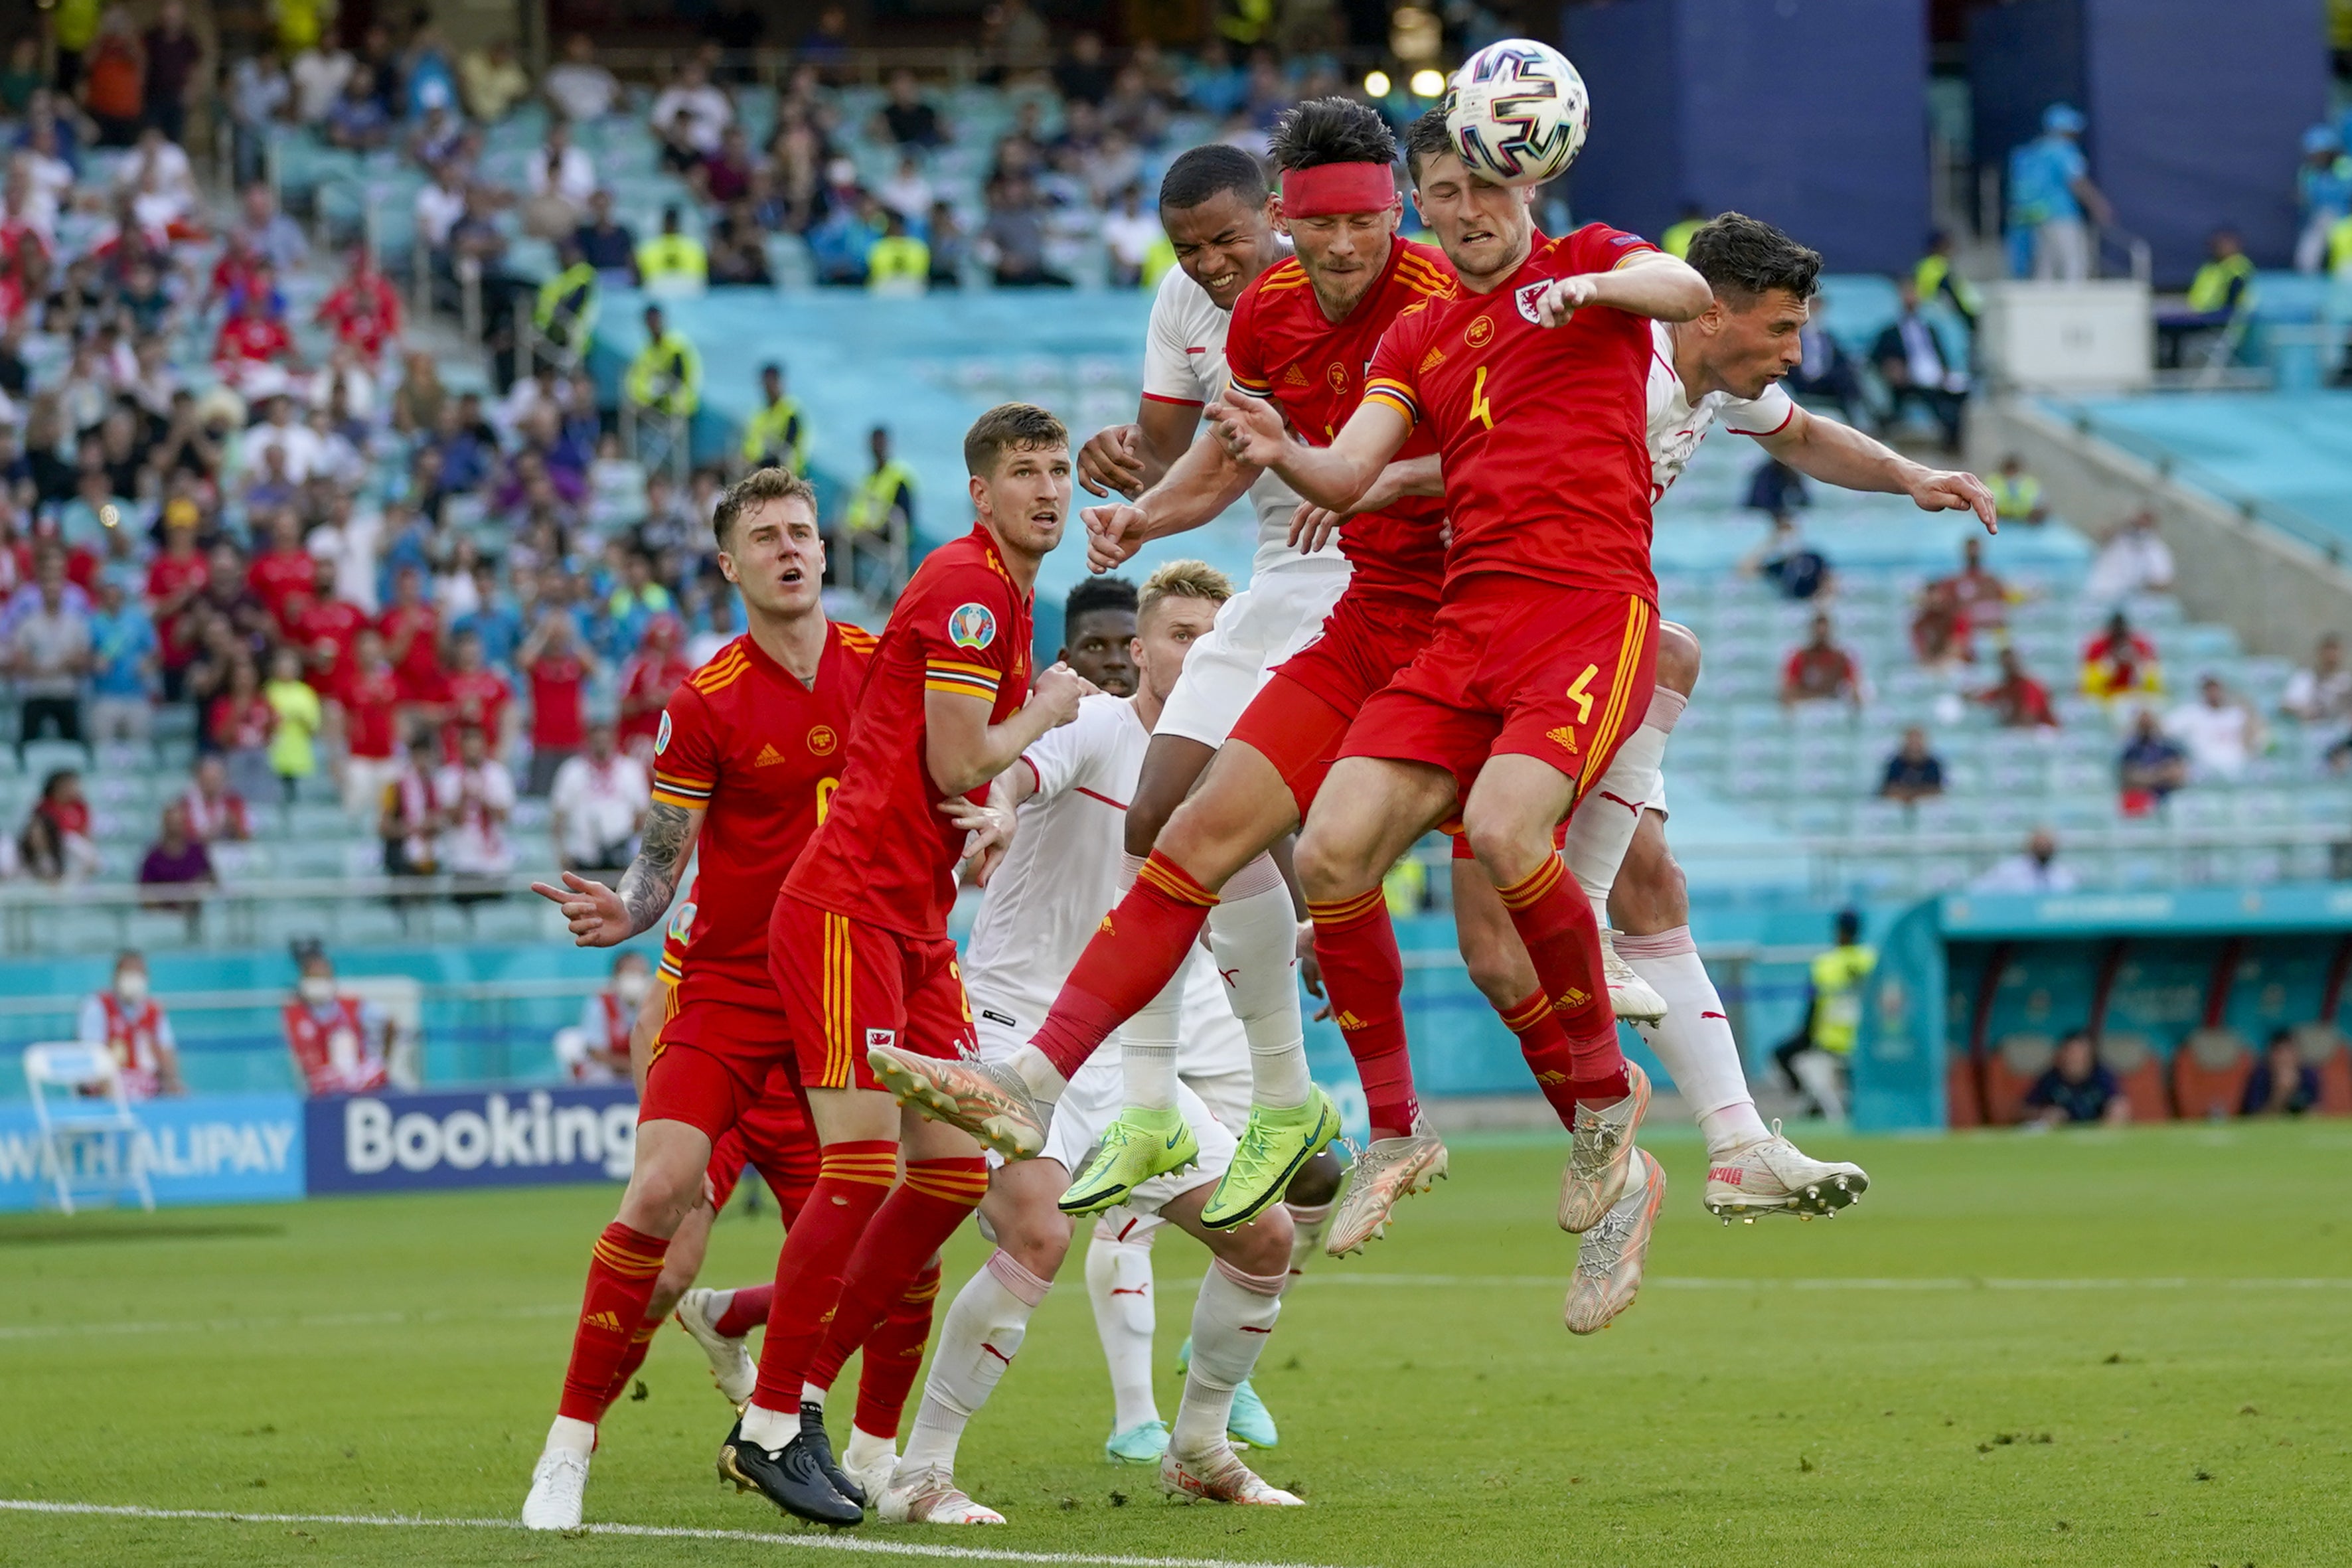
[641, 1532]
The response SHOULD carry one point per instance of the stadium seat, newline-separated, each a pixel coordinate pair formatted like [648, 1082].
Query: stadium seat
[1963, 1098]
[2139, 1074]
[2322, 1045]
[2017, 1060]
[42, 758]
[2209, 1074]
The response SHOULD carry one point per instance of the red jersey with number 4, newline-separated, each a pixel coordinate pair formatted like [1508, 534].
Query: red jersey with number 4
[759, 754]
[1545, 430]
[885, 855]
[1282, 347]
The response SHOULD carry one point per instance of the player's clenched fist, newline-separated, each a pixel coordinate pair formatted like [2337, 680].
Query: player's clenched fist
[594, 912]
[1250, 430]
[1114, 533]
[1108, 462]
[1057, 691]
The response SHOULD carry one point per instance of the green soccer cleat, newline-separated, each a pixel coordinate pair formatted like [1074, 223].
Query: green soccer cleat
[1137, 1146]
[1141, 1444]
[1273, 1145]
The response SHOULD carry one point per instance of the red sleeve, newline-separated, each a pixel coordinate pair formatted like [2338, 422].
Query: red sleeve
[1788, 670]
[686, 751]
[1597, 247]
[1394, 375]
[1244, 360]
[965, 630]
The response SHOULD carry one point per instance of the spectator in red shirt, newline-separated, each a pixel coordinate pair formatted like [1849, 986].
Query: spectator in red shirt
[328, 626]
[479, 697]
[215, 813]
[174, 579]
[240, 725]
[2119, 662]
[250, 338]
[367, 711]
[412, 636]
[241, 272]
[56, 845]
[365, 309]
[1821, 671]
[1939, 627]
[2018, 701]
[1983, 596]
[658, 668]
[341, 1043]
[283, 571]
[558, 668]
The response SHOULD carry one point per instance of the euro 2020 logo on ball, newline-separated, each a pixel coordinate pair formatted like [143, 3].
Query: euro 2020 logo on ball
[972, 626]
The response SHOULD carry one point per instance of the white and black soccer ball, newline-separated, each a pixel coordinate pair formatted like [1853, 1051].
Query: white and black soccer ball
[1518, 113]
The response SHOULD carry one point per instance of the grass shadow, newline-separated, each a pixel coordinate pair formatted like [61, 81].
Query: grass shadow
[44, 1230]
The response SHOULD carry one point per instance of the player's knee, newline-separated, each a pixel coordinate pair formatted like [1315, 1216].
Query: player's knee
[1678, 658]
[1038, 1241]
[1510, 846]
[1262, 1247]
[1326, 870]
[674, 1283]
[1318, 1182]
[1499, 969]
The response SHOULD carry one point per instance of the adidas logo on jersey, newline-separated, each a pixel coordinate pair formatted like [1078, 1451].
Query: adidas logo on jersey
[1293, 376]
[1106, 928]
[769, 757]
[1563, 736]
[1431, 360]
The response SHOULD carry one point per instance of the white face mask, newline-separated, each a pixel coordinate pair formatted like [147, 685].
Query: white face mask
[132, 986]
[318, 990]
[630, 985]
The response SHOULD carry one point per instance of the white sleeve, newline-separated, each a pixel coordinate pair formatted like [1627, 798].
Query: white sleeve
[1169, 374]
[1064, 756]
[1765, 415]
[163, 1036]
[90, 1028]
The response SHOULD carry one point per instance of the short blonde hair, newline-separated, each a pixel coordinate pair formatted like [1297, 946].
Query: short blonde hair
[1183, 579]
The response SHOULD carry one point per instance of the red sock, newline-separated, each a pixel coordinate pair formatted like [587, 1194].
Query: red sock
[746, 1309]
[894, 1354]
[1555, 922]
[851, 1182]
[1364, 978]
[1137, 950]
[1545, 1046]
[621, 1268]
[632, 1359]
[920, 1215]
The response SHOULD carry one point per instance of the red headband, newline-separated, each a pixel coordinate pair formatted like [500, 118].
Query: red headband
[1329, 188]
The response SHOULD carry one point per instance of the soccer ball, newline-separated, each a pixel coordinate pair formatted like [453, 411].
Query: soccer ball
[1518, 113]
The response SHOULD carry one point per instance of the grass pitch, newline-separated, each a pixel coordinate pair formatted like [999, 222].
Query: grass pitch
[2123, 1348]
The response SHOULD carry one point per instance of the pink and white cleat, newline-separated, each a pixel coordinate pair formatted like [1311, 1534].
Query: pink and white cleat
[929, 1496]
[1389, 1170]
[987, 1099]
[1609, 1260]
[1218, 1476]
[1601, 1155]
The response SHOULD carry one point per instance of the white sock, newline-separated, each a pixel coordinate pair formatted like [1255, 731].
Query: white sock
[1253, 932]
[580, 1437]
[1307, 1224]
[1034, 1068]
[812, 1394]
[770, 1429]
[1694, 1040]
[865, 1449]
[977, 1342]
[1118, 1283]
[1147, 1045]
[1231, 1318]
[720, 1301]
[1602, 829]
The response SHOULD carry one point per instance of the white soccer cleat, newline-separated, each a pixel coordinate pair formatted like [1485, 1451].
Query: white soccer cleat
[1773, 1176]
[1609, 1260]
[929, 1496]
[558, 1483]
[731, 1366]
[869, 1461]
[1601, 1155]
[1218, 1476]
[1630, 997]
[1389, 1170]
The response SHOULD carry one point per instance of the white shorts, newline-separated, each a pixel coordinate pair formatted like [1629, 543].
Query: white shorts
[1213, 1056]
[1278, 614]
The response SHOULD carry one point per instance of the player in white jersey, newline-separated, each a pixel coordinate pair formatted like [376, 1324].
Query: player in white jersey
[1725, 367]
[1217, 210]
[1044, 899]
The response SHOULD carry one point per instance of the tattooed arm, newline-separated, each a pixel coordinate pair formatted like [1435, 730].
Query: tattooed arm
[606, 917]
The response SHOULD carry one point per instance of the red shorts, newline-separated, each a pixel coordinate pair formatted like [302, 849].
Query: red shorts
[698, 1071]
[848, 985]
[775, 1137]
[1301, 714]
[1523, 667]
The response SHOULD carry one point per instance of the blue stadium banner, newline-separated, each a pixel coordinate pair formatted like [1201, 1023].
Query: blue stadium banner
[206, 1149]
[495, 1138]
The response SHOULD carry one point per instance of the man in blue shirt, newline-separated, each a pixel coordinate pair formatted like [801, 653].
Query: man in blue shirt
[2076, 1090]
[2050, 195]
[122, 649]
[495, 620]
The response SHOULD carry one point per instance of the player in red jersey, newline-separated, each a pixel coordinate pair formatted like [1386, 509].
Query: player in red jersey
[1533, 380]
[750, 754]
[1300, 337]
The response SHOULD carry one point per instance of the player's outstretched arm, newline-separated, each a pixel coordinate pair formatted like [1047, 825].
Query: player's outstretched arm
[1335, 476]
[1843, 456]
[599, 916]
[1128, 459]
[963, 751]
[1312, 527]
[1201, 482]
[1648, 283]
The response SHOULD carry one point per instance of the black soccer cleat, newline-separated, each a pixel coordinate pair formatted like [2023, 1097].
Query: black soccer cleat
[787, 1477]
[819, 1443]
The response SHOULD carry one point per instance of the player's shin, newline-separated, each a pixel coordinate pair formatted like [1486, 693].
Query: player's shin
[1694, 1040]
[1602, 830]
[1254, 933]
[1363, 975]
[1232, 1317]
[893, 1355]
[1118, 1286]
[623, 1269]
[978, 1338]
[1147, 1046]
[1556, 924]
[1544, 1046]
[852, 1182]
[1138, 949]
